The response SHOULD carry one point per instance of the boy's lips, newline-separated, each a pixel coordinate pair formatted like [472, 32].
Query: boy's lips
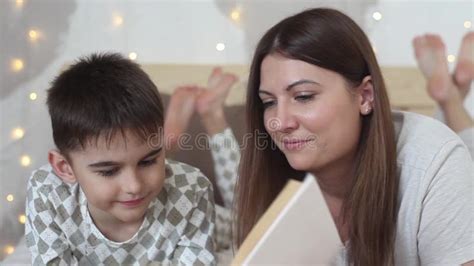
[132, 203]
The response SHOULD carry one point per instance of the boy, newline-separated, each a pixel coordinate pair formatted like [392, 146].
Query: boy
[108, 196]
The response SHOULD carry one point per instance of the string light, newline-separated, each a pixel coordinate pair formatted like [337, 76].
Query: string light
[235, 14]
[17, 133]
[22, 219]
[118, 20]
[10, 198]
[220, 47]
[451, 58]
[19, 3]
[34, 35]
[9, 249]
[467, 24]
[33, 96]
[132, 56]
[16, 64]
[377, 16]
[25, 160]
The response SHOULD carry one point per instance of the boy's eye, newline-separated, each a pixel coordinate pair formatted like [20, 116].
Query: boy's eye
[147, 162]
[108, 173]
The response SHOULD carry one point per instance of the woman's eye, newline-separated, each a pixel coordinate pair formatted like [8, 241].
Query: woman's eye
[304, 98]
[147, 162]
[108, 173]
[267, 104]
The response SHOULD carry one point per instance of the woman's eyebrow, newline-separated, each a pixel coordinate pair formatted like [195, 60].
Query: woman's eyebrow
[292, 85]
[301, 81]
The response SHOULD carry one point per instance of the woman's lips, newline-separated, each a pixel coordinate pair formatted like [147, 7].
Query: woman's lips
[295, 144]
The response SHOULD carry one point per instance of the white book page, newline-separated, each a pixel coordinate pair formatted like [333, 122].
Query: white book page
[303, 233]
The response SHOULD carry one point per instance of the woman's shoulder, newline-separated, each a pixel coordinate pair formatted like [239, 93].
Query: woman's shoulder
[410, 127]
[435, 171]
[421, 135]
[424, 143]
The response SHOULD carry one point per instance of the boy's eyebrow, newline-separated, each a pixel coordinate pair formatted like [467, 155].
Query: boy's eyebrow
[112, 163]
[103, 164]
[152, 153]
[292, 85]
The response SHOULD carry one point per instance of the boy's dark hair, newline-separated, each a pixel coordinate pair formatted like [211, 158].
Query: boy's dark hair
[100, 95]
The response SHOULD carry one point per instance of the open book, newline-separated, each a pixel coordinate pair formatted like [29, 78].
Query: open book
[296, 229]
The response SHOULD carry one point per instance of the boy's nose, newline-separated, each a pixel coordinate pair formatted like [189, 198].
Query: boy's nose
[132, 184]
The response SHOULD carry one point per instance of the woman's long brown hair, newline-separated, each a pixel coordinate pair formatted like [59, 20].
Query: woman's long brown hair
[329, 39]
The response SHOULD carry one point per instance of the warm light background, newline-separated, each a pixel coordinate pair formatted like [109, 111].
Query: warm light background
[178, 42]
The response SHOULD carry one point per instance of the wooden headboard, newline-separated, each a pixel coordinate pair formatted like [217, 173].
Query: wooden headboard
[405, 85]
[406, 89]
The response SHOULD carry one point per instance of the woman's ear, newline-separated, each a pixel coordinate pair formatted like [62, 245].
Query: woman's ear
[366, 96]
[61, 166]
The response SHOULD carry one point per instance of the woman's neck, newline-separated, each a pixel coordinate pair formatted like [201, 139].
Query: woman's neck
[335, 180]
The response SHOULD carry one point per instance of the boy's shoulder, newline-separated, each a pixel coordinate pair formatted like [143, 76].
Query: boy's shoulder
[184, 176]
[47, 189]
[47, 181]
[186, 191]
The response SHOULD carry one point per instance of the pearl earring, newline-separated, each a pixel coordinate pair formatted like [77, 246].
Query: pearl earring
[367, 110]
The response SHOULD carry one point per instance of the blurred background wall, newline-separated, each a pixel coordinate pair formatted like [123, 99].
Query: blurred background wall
[38, 37]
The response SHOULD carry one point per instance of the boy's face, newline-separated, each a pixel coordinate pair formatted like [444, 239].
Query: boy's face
[119, 180]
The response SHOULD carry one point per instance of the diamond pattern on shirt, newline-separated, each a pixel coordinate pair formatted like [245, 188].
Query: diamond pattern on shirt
[178, 225]
[225, 152]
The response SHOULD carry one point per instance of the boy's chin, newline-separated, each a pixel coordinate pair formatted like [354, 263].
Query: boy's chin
[131, 216]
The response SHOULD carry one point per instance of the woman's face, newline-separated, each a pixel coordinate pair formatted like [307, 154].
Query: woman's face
[310, 113]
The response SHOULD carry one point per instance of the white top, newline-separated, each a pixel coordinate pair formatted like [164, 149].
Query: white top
[467, 135]
[436, 204]
[178, 226]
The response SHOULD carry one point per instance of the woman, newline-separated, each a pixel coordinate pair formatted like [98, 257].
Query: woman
[398, 185]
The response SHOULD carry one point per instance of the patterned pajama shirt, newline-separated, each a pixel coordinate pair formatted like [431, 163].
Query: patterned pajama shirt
[225, 152]
[178, 227]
